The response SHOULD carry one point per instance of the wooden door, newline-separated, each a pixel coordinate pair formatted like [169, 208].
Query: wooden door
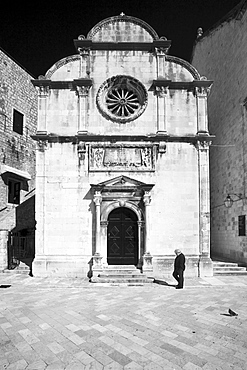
[122, 240]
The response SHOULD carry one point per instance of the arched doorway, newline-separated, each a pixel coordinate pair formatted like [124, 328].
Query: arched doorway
[122, 237]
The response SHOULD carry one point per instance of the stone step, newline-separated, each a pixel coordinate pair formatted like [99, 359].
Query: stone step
[121, 267]
[25, 271]
[125, 272]
[224, 264]
[120, 275]
[118, 280]
[236, 272]
[228, 268]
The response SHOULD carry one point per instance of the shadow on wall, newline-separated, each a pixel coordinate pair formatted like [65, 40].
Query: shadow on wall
[21, 242]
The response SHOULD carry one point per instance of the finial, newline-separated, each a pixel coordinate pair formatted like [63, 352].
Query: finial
[199, 32]
[122, 14]
[81, 37]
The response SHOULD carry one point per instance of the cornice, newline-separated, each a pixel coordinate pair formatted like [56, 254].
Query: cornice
[152, 138]
[181, 85]
[125, 46]
[62, 84]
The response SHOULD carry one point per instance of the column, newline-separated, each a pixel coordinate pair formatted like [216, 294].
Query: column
[82, 92]
[140, 241]
[161, 92]
[97, 258]
[147, 266]
[103, 241]
[97, 201]
[205, 263]
[43, 92]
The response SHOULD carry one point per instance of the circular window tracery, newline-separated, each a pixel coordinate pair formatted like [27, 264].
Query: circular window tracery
[121, 99]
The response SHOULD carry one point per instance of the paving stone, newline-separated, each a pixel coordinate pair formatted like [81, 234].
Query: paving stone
[123, 327]
[120, 358]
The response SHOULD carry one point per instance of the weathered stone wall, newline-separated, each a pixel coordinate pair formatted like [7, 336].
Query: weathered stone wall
[18, 151]
[221, 55]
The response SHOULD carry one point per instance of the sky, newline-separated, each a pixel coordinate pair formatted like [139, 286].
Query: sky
[39, 33]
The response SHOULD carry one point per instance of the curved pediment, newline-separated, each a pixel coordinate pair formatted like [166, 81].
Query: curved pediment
[122, 28]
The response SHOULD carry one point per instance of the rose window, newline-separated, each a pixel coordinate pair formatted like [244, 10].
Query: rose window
[122, 99]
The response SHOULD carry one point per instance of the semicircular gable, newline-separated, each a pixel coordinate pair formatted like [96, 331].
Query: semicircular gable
[122, 28]
[183, 71]
[60, 63]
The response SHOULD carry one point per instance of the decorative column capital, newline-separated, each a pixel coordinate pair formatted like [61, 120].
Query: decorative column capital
[161, 91]
[43, 91]
[147, 198]
[161, 51]
[42, 145]
[82, 91]
[203, 88]
[140, 223]
[97, 198]
[202, 145]
[84, 52]
[104, 223]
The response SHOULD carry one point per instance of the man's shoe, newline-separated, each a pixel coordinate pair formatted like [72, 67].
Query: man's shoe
[179, 287]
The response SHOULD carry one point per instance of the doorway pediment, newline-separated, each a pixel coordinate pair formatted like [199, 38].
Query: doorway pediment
[122, 184]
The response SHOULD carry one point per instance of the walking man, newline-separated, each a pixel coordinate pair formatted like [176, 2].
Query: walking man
[179, 267]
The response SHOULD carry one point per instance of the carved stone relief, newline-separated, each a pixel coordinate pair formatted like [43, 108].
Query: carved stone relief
[121, 158]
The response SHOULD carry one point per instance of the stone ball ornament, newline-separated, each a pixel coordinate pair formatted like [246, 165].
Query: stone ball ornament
[121, 99]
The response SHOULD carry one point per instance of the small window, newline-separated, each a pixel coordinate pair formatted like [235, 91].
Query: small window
[14, 189]
[18, 122]
[241, 225]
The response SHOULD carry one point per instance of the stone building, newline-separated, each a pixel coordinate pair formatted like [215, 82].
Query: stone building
[122, 159]
[221, 54]
[18, 121]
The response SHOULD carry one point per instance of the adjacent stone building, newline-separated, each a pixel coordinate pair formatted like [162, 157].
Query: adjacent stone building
[18, 121]
[122, 161]
[221, 54]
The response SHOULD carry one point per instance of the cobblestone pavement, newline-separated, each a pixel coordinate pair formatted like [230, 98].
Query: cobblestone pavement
[56, 324]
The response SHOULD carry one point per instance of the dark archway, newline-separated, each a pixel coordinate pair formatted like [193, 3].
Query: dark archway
[122, 237]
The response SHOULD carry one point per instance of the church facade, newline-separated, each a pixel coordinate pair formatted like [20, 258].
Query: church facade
[122, 171]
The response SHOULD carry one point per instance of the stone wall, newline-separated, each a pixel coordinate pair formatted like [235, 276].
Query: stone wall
[17, 151]
[221, 55]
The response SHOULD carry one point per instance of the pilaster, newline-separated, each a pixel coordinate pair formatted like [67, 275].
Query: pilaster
[43, 93]
[202, 93]
[205, 263]
[161, 93]
[147, 258]
[82, 93]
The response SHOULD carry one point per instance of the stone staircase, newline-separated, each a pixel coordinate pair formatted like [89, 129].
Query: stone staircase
[228, 268]
[121, 274]
[22, 268]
